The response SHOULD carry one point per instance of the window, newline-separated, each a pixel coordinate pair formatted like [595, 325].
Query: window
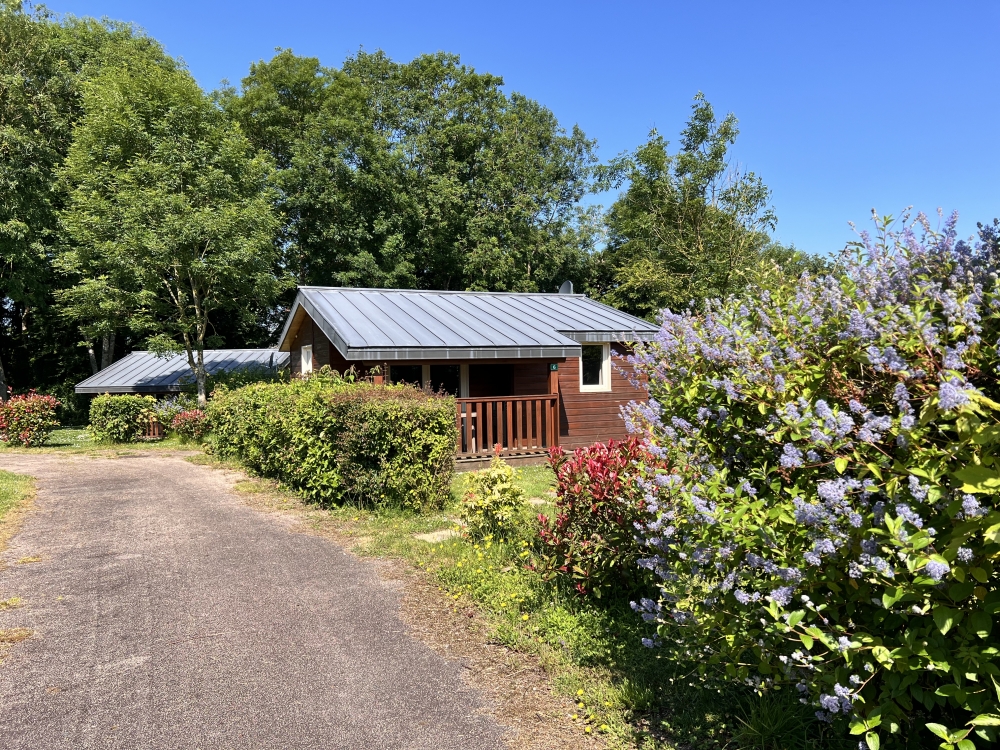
[595, 367]
[307, 359]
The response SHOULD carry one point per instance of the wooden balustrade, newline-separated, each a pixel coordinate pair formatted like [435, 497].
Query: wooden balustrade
[518, 424]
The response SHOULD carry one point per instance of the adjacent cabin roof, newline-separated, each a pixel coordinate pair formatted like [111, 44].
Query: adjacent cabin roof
[400, 324]
[143, 372]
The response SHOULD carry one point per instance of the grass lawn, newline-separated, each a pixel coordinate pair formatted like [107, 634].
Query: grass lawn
[15, 491]
[634, 696]
[72, 439]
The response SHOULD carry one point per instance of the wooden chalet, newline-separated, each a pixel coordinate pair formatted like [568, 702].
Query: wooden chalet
[528, 371]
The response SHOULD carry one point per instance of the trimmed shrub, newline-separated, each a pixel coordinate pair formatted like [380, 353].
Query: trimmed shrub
[494, 503]
[833, 524]
[120, 419]
[592, 541]
[337, 440]
[190, 425]
[28, 420]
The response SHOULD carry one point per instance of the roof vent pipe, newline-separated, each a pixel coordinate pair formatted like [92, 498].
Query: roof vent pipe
[566, 288]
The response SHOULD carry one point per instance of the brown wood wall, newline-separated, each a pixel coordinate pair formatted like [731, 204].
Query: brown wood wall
[324, 353]
[591, 417]
[531, 379]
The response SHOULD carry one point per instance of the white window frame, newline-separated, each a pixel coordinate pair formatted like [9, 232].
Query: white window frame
[306, 355]
[605, 384]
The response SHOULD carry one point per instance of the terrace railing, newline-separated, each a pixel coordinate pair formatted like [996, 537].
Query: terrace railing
[518, 424]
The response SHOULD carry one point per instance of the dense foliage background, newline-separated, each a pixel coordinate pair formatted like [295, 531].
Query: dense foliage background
[139, 211]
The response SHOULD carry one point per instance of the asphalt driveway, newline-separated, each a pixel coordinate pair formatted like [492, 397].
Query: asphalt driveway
[167, 614]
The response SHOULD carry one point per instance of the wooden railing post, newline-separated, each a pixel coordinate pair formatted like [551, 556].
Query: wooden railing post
[519, 424]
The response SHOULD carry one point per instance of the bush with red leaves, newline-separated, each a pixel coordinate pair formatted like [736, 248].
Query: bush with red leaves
[191, 424]
[591, 541]
[27, 420]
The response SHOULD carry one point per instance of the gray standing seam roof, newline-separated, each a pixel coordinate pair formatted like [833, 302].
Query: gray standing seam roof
[401, 324]
[143, 372]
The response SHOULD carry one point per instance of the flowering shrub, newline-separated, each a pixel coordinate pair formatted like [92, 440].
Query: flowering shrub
[168, 408]
[27, 420]
[494, 503]
[191, 424]
[834, 523]
[337, 440]
[592, 539]
[120, 419]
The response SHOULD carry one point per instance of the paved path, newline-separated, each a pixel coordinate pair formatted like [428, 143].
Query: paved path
[169, 615]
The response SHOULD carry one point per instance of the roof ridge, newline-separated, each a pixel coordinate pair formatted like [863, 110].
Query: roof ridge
[438, 291]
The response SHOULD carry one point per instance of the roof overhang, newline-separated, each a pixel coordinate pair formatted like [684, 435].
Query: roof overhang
[148, 389]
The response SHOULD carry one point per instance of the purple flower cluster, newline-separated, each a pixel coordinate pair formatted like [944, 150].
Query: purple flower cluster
[787, 413]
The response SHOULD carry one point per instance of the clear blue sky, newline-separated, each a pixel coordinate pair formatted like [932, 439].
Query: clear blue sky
[843, 106]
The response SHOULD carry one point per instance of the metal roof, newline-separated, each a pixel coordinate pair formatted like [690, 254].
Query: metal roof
[143, 372]
[394, 324]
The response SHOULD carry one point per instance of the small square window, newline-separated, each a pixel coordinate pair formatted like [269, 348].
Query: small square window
[307, 359]
[595, 367]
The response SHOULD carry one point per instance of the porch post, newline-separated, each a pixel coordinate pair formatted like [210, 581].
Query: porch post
[554, 413]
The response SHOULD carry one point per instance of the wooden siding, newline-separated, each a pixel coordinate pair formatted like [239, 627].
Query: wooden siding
[531, 379]
[589, 417]
[324, 353]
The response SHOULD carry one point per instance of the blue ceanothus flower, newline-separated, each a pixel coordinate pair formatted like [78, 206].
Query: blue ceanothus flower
[793, 426]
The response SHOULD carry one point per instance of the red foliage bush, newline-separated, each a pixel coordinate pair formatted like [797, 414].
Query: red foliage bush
[27, 420]
[191, 424]
[592, 539]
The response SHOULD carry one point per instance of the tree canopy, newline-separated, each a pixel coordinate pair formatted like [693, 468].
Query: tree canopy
[424, 174]
[137, 210]
[169, 213]
[688, 226]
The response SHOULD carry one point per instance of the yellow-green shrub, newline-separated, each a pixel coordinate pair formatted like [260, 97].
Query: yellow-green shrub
[494, 502]
[120, 419]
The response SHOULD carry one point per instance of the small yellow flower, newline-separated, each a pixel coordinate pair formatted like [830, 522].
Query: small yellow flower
[587, 730]
[579, 692]
[604, 727]
[524, 617]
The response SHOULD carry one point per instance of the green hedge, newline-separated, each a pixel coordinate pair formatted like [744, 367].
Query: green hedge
[338, 441]
[120, 419]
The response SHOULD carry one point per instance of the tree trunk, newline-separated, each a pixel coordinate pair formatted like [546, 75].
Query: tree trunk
[199, 374]
[107, 349]
[93, 360]
[3, 383]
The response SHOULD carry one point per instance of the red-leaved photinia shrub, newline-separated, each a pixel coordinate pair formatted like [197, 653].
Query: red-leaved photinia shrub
[191, 424]
[27, 420]
[592, 538]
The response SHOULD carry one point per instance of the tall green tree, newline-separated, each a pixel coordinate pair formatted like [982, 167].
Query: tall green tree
[169, 212]
[423, 174]
[688, 226]
[43, 61]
